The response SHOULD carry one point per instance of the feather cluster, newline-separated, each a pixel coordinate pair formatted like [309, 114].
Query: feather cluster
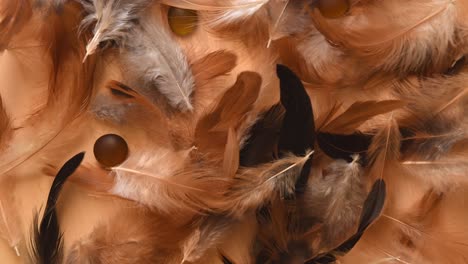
[258, 131]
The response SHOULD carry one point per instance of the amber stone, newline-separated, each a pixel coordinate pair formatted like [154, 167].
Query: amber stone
[110, 150]
[333, 8]
[182, 21]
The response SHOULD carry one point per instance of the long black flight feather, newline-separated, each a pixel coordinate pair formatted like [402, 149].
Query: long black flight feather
[47, 242]
[297, 133]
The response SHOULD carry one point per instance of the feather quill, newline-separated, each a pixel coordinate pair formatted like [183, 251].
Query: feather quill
[47, 242]
[159, 65]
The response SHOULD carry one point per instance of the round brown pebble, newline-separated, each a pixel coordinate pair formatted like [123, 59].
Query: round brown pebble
[110, 150]
[182, 21]
[333, 8]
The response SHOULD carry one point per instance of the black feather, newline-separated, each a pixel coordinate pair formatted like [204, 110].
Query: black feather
[298, 130]
[261, 145]
[47, 242]
[297, 134]
[344, 146]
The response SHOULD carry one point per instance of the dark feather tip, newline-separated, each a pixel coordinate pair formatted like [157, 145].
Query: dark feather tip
[225, 259]
[373, 205]
[260, 147]
[47, 242]
[298, 130]
[345, 146]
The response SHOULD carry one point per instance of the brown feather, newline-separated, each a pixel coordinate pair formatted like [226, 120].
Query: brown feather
[212, 65]
[212, 129]
[231, 154]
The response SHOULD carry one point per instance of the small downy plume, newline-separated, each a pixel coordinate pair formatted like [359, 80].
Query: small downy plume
[159, 65]
[143, 237]
[257, 186]
[112, 20]
[13, 16]
[334, 197]
[207, 235]
[46, 240]
[371, 210]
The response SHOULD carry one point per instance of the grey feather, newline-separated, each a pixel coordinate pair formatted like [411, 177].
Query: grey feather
[158, 63]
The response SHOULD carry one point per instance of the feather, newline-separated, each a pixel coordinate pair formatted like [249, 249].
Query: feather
[5, 124]
[278, 19]
[373, 205]
[231, 154]
[226, 259]
[212, 65]
[9, 219]
[254, 187]
[385, 149]
[212, 129]
[297, 134]
[160, 65]
[207, 236]
[112, 19]
[358, 113]
[47, 242]
[420, 41]
[143, 237]
[263, 139]
[231, 11]
[13, 16]
[334, 197]
[298, 130]
[120, 100]
[372, 208]
[345, 146]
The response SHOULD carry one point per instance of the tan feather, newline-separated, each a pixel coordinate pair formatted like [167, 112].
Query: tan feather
[385, 149]
[13, 16]
[358, 113]
[10, 222]
[419, 42]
